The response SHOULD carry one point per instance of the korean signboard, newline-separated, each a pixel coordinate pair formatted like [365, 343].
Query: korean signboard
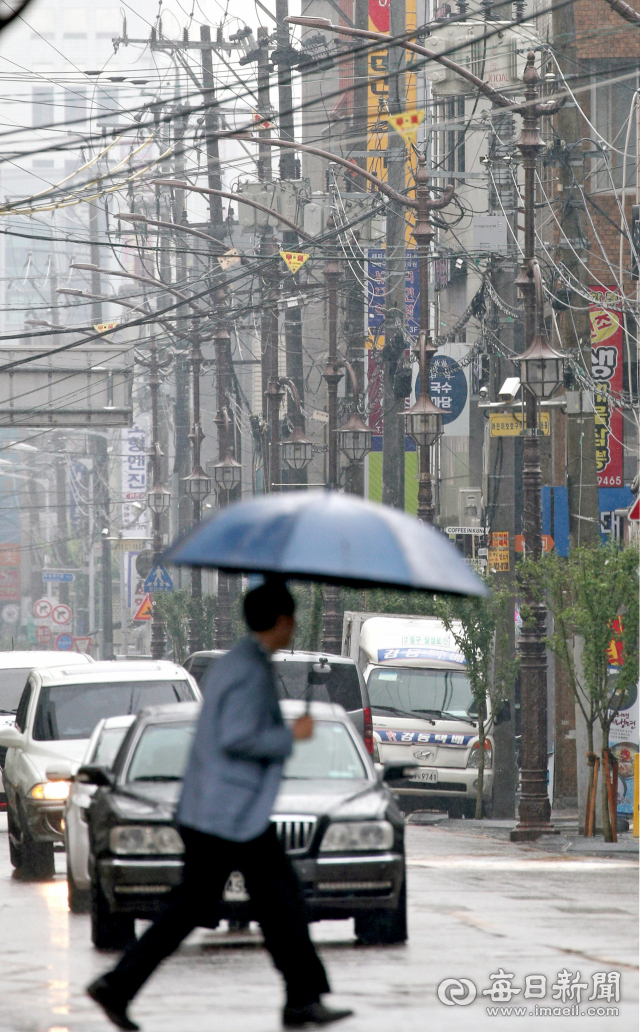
[498, 557]
[509, 424]
[606, 371]
[135, 448]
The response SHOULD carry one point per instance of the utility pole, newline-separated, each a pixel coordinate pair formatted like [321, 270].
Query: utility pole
[582, 480]
[332, 617]
[103, 506]
[393, 460]
[289, 170]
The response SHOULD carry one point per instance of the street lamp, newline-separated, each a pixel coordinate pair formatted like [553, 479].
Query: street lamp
[354, 438]
[227, 474]
[159, 499]
[198, 485]
[297, 451]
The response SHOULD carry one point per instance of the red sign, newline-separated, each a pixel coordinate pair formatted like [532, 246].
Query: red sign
[606, 370]
[145, 611]
[9, 555]
[43, 635]
[547, 543]
[634, 511]
[9, 585]
[379, 15]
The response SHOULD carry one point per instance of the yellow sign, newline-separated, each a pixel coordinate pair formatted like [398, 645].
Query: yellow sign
[145, 610]
[406, 124]
[509, 424]
[293, 259]
[498, 554]
[104, 327]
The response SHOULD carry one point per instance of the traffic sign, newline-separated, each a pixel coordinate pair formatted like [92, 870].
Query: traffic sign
[547, 543]
[10, 613]
[144, 563]
[42, 609]
[61, 613]
[475, 531]
[64, 642]
[43, 635]
[634, 511]
[145, 609]
[60, 576]
[158, 580]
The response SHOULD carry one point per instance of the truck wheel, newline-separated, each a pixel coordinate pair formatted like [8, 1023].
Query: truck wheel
[34, 860]
[384, 927]
[79, 899]
[109, 931]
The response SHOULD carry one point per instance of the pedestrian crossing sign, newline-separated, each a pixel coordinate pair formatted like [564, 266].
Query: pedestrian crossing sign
[157, 580]
[293, 259]
[406, 124]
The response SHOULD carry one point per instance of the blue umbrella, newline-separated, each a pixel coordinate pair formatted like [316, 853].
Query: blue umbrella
[328, 537]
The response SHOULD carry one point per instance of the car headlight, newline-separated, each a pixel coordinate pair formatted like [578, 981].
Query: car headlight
[50, 790]
[347, 836]
[145, 838]
[474, 755]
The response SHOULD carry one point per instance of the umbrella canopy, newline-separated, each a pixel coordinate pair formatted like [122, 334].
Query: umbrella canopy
[328, 537]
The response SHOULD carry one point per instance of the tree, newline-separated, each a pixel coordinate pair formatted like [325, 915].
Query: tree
[593, 595]
[175, 609]
[480, 629]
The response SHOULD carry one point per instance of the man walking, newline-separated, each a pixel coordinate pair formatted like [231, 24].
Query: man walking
[230, 785]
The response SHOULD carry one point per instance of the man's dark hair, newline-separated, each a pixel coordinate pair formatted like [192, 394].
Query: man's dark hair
[265, 604]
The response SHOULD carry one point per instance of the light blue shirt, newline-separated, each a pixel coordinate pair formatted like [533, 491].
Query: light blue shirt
[240, 745]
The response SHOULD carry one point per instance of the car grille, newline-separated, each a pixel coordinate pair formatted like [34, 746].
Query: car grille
[294, 832]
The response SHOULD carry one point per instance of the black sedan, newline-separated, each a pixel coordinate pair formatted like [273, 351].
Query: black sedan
[335, 816]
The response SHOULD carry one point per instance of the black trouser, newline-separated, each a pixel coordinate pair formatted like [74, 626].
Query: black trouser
[277, 903]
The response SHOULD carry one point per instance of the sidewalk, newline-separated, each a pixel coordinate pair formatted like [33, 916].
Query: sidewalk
[568, 841]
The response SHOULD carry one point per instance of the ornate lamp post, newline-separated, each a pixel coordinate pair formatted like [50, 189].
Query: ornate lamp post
[159, 500]
[227, 474]
[423, 422]
[296, 451]
[354, 439]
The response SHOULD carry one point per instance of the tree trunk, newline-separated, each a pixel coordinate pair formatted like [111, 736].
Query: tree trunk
[608, 798]
[481, 740]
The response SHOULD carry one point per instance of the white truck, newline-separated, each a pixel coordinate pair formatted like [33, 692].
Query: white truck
[422, 708]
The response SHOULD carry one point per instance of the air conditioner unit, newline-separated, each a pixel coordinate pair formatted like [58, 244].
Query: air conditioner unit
[470, 506]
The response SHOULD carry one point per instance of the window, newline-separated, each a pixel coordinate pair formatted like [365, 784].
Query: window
[106, 22]
[72, 711]
[330, 753]
[162, 753]
[449, 143]
[611, 110]
[42, 105]
[74, 20]
[12, 685]
[107, 746]
[342, 685]
[410, 690]
[75, 106]
[23, 706]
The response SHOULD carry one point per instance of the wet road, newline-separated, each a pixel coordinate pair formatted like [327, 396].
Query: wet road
[476, 905]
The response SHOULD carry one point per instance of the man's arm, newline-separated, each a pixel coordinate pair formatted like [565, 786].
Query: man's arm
[245, 728]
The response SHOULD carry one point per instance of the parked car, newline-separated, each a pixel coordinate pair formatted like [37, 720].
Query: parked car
[102, 749]
[14, 670]
[334, 815]
[56, 715]
[313, 675]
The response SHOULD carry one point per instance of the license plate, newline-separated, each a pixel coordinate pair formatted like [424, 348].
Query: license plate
[430, 776]
[235, 890]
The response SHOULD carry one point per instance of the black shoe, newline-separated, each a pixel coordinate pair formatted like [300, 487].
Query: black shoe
[312, 1014]
[115, 1009]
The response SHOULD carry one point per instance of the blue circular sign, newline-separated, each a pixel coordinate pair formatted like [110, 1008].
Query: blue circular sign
[64, 642]
[447, 387]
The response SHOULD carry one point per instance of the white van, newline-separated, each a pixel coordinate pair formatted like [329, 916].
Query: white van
[422, 708]
[56, 715]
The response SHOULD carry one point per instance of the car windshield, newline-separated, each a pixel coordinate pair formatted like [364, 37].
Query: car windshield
[12, 684]
[107, 746]
[161, 753]
[422, 692]
[72, 711]
[342, 684]
[330, 753]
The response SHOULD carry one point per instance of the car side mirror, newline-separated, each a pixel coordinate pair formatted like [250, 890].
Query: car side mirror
[98, 776]
[11, 738]
[503, 715]
[60, 771]
[396, 770]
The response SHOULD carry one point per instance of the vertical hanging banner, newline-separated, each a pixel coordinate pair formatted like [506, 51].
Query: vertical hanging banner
[606, 371]
[135, 449]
